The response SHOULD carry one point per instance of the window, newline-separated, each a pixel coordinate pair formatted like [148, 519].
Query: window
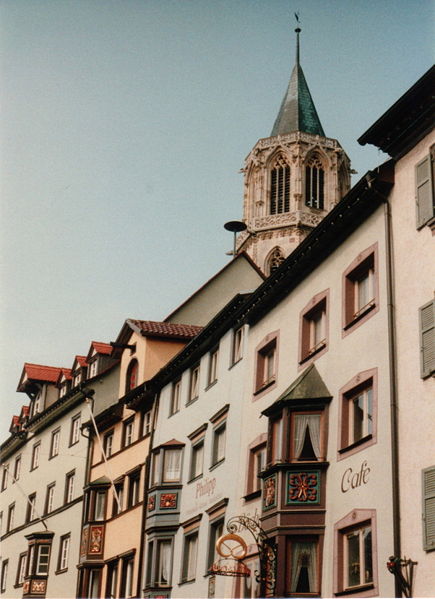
[11, 517]
[306, 437]
[42, 559]
[314, 183]
[216, 531]
[63, 389]
[5, 475]
[280, 186]
[355, 549]
[133, 489]
[35, 456]
[274, 260]
[358, 423]
[190, 553]
[69, 486]
[49, 498]
[146, 423]
[360, 289]
[218, 451]
[54, 445]
[21, 569]
[197, 460]
[126, 589]
[429, 509]
[266, 366]
[313, 325]
[127, 432]
[424, 181]
[75, 430]
[303, 566]
[118, 498]
[64, 545]
[77, 378]
[108, 444]
[172, 465]
[131, 379]
[427, 339]
[4, 575]
[17, 468]
[276, 454]
[93, 368]
[31, 507]
[256, 465]
[163, 563]
[100, 505]
[112, 579]
[213, 366]
[194, 384]
[175, 397]
[92, 578]
[237, 349]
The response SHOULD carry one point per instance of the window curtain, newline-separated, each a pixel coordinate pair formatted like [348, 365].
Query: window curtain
[165, 558]
[191, 557]
[302, 423]
[304, 556]
[172, 464]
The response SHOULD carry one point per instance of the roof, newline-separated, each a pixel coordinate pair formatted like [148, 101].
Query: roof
[65, 372]
[407, 121]
[101, 348]
[38, 373]
[308, 385]
[297, 111]
[81, 360]
[151, 328]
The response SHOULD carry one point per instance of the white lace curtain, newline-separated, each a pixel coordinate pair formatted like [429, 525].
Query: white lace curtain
[164, 562]
[172, 464]
[304, 556]
[302, 423]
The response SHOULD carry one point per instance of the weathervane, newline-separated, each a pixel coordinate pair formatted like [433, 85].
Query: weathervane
[297, 30]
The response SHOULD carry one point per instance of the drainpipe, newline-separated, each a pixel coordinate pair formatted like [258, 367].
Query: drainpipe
[392, 347]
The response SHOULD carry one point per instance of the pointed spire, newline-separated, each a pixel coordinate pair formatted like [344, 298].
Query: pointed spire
[297, 111]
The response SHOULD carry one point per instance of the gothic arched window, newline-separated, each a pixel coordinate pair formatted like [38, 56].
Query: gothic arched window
[275, 259]
[314, 183]
[131, 377]
[280, 186]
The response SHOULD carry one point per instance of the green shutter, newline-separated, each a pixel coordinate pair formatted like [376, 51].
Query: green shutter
[424, 191]
[427, 339]
[429, 508]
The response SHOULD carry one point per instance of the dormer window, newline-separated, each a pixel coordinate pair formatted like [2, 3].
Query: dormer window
[280, 186]
[93, 368]
[77, 379]
[314, 183]
[131, 379]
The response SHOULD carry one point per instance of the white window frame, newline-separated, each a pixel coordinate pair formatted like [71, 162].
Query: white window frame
[55, 442]
[219, 443]
[359, 532]
[64, 546]
[42, 560]
[75, 429]
[35, 455]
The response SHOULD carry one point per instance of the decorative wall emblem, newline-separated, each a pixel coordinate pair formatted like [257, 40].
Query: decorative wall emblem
[84, 543]
[26, 587]
[269, 492]
[151, 503]
[38, 586]
[303, 487]
[168, 501]
[96, 539]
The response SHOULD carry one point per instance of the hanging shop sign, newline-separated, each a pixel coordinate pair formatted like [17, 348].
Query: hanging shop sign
[232, 549]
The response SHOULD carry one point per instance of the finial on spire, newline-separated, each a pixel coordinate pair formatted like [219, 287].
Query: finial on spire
[297, 30]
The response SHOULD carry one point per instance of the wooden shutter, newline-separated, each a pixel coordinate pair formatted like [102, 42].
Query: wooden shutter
[429, 508]
[427, 339]
[424, 191]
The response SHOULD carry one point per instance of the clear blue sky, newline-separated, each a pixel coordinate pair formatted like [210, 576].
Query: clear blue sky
[124, 125]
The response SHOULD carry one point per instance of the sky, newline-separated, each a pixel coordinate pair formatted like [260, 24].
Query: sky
[123, 127]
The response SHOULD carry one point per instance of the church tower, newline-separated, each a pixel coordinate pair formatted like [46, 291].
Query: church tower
[292, 179]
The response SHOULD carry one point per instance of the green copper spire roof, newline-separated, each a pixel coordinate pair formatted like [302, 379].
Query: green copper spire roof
[297, 112]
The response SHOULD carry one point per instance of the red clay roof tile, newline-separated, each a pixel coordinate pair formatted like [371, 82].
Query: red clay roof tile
[101, 348]
[38, 372]
[153, 328]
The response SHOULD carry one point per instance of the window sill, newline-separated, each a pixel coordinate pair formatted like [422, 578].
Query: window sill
[184, 582]
[235, 363]
[252, 495]
[265, 386]
[216, 464]
[191, 401]
[191, 480]
[313, 352]
[61, 571]
[353, 590]
[360, 316]
[356, 444]
[211, 384]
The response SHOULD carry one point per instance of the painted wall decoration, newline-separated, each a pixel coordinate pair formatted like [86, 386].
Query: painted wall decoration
[269, 492]
[38, 586]
[84, 542]
[96, 539]
[151, 503]
[168, 501]
[303, 487]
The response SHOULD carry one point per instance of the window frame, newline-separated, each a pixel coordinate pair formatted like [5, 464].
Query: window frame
[175, 404]
[237, 345]
[253, 483]
[186, 575]
[279, 185]
[263, 351]
[133, 494]
[357, 519]
[69, 487]
[197, 445]
[215, 530]
[54, 443]
[165, 479]
[146, 425]
[62, 561]
[314, 175]
[366, 261]
[108, 446]
[127, 437]
[309, 348]
[194, 382]
[11, 517]
[21, 569]
[425, 212]
[426, 320]
[74, 437]
[17, 468]
[291, 541]
[4, 575]
[219, 431]
[112, 578]
[322, 436]
[127, 576]
[213, 365]
[132, 375]
[428, 495]
[5, 476]
[36, 454]
[360, 382]
[49, 498]
[31, 508]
